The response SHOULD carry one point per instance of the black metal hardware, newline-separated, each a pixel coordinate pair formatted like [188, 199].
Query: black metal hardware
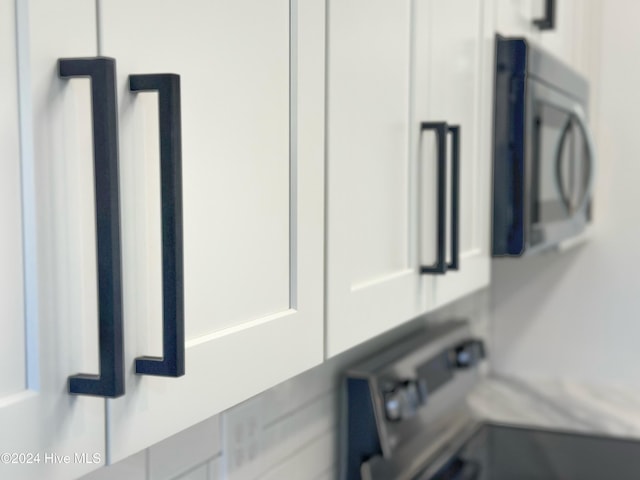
[548, 22]
[102, 72]
[455, 199]
[440, 129]
[171, 364]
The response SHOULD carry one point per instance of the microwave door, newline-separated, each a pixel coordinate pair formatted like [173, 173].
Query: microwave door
[562, 169]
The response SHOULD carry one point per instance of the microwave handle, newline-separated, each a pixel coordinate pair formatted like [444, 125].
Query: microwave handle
[581, 120]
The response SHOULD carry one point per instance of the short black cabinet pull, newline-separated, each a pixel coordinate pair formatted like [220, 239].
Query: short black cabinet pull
[102, 72]
[171, 364]
[548, 22]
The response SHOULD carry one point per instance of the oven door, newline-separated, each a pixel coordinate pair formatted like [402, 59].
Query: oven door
[561, 169]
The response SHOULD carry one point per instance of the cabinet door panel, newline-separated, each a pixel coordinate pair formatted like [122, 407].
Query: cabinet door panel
[452, 72]
[373, 283]
[48, 247]
[12, 342]
[515, 17]
[252, 202]
[569, 35]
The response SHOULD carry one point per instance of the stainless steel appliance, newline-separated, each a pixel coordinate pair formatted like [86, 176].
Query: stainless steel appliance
[405, 417]
[544, 158]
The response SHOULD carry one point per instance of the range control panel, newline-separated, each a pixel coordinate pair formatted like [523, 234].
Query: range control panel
[405, 390]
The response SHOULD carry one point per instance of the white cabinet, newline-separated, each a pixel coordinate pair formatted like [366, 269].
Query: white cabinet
[568, 37]
[13, 347]
[391, 66]
[47, 282]
[514, 18]
[453, 73]
[560, 40]
[81, 207]
[252, 102]
[571, 38]
[246, 222]
[373, 279]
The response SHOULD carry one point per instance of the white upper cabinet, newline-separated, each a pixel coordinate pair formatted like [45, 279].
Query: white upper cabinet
[562, 27]
[402, 74]
[373, 279]
[243, 267]
[560, 40]
[48, 279]
[514, 18]
[453, 80]
[571, 39]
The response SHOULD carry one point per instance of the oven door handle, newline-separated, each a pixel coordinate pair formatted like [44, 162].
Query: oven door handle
[581, 120]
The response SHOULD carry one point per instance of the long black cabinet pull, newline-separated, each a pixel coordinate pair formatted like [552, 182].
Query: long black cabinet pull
[455, 199]
[171, 364]
[440, 129]
[102, 72]
[548, 22]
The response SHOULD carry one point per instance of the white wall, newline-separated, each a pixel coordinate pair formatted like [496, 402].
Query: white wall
[577, 315]
[287, 432]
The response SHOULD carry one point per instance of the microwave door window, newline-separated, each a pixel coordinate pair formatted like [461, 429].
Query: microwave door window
[560, 177]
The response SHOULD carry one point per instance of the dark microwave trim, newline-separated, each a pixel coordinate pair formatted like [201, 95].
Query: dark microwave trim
[509, 150]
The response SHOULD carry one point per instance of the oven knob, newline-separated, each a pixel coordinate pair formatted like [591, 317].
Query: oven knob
[403, 401]
[468, 354]
[392, 407]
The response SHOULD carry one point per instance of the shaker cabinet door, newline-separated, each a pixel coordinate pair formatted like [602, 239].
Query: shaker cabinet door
[373, 282]
[453, 74]
[560, 40]
[571, 40]
[514, 18]
[234, 248]
[48, 252]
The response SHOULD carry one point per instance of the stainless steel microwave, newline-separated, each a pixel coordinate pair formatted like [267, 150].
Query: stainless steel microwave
[544, 159]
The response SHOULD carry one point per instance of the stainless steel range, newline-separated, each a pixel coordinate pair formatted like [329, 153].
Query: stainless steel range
[406, 417]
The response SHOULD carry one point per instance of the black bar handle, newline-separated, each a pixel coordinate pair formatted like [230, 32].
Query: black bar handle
[102, 72]
[455, 199]
[548, 22]
[440, 129]
[171, 364]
